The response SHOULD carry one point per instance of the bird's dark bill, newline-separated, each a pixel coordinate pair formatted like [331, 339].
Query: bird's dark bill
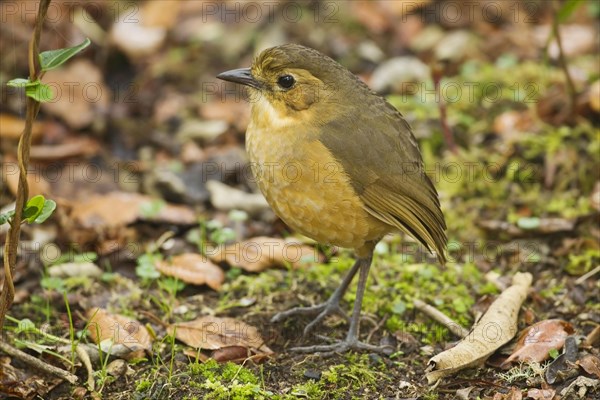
[240, 75]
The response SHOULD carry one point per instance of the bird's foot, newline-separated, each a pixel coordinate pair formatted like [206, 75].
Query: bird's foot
[342, 347]
[324, 309]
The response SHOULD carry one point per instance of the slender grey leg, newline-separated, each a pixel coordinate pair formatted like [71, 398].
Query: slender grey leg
[351, 341]
[360, 293]
[331, 306]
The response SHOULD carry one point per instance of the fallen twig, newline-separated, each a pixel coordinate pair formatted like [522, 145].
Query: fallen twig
[85, 359]
[440, 317]
[38, 364]
[377, 326]
[86, 353]
[593, 337]
[586, 276]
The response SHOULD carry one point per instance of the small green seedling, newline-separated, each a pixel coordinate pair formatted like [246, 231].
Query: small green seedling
[36, 211]
[48, 60]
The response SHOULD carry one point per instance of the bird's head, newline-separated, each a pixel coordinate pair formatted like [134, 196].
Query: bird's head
[294, 82]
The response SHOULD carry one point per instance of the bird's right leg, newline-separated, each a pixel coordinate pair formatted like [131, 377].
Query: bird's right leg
[331, 306]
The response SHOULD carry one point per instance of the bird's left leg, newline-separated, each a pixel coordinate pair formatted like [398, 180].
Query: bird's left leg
[331, 306]
[351, 342]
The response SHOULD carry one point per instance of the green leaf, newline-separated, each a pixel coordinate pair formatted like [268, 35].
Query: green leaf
[171, 285]
[6, 217]
[53, 283]
[25, 326]
[567, 9]
[47, 210]
[238, 215]
[145, 266]
[528, 223]
[459, 305]
[54, 58]
[222, 236]
[399, 307]
[18, 82]
[37, 200]
[151, 208]
[147, 271]
[109, 277]
[33, 208]
[89, 256]
[39, 92]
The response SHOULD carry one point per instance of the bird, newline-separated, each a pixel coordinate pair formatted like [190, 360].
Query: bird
[337, 163]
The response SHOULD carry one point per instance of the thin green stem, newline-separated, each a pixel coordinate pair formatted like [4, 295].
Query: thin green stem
[33, 107]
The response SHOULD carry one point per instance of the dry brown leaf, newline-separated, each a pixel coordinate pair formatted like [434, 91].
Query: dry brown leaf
[514, 394]
[122, 208]
[24, 383]
[114, 209]
[590, 364]
[231, 353]
[213, 333]
[464, 393]
[537, 340]
[193, 268]
[195, 354]
[81, 95]
[578, 388]
[73, 147]
[172, 214]
[115, 332]
[496, 328]
[11, 127]
[263, 252]
[541, 394]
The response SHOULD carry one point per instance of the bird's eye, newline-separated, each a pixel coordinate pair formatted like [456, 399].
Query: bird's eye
[286, 81]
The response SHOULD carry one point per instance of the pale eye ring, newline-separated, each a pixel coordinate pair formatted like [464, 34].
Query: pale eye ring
[286, 81]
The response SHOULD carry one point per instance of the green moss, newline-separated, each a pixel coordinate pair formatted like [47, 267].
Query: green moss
[580, 264]
[430, 396]
[552, 290]
[227, 381]
[209, 369]
[356, 378]
[308, 390]
[449, 289]
[143, 385]
[233, 371]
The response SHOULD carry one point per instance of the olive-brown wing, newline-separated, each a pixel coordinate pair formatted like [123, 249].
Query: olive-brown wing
[379, 153]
